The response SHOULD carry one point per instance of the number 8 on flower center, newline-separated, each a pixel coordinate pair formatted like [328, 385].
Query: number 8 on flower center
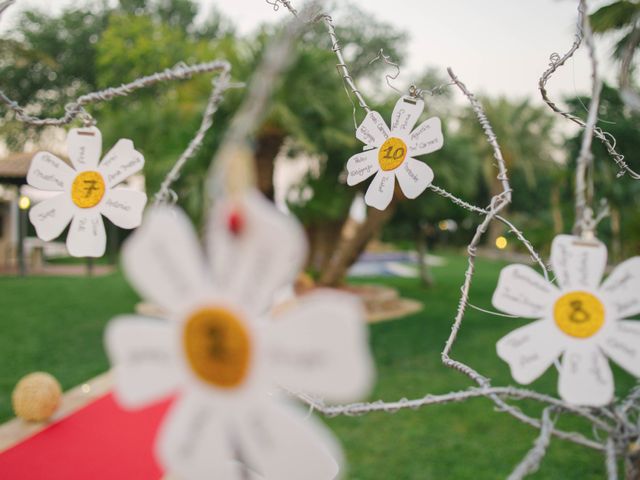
[217, 347]
[579, 314]
[392, 153]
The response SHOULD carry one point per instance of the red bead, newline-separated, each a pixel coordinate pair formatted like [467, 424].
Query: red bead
[235, 222]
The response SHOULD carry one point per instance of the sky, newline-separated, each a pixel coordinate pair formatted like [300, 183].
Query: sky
[497, 47]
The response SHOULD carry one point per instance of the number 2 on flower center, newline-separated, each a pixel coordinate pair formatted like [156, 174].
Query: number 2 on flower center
[579, 314]
[217, 346]
[87, 189]
[392, 153]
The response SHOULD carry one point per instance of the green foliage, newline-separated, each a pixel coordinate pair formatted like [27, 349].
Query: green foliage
[623, 194]
[616, 18]
[426, 443]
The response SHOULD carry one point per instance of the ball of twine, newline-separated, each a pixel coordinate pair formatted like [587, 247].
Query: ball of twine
[36, 397]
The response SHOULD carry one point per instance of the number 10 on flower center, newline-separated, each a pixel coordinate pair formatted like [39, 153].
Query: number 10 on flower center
[392, 153]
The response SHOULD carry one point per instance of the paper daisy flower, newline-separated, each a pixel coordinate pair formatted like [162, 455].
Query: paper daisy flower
[581, 319]
[224, 354]
[389, 153]
[86, 192]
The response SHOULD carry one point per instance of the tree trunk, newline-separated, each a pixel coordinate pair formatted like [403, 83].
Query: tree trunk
[496, 228]
[421, 247]
[322, 237]
[556, 211]
[632, 462]
[349, 249]
[268, 145]
[616, 244]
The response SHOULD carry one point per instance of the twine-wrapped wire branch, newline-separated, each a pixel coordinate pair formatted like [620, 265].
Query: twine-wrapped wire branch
[613, 423]
[557, 61]
[181, 71]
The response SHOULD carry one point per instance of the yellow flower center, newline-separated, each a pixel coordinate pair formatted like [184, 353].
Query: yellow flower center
[579, 314]
[217, 346]
[87, 189]
[392, 153]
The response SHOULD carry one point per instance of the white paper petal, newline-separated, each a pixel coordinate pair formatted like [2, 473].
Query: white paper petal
[48, 172]
[50, 217]
[426, 138]
[284, 444]
[405, 115]
[414, 177]
[144, 355]
[621, 342]
[122, 161]
[87, 236]
[621, 290]
[264, 256]
[524, 292]
[124, 207]
[193, 442]
[585, 376]
[530, 350]
[320, 346]
[373, 130]
[362, 165]
[84, 145]
[578, 264]
[164, 262]
[380, 192]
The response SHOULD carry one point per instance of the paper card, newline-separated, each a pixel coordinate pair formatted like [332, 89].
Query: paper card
[390, 150]
[308, 355]
[163, 260]
[124, 207]
[87, 236]
[577, 263]
[193, 441]
[86, 192]
[621, 290]
[145, 357]
[361, 166]
[621, 343]
[426, 138]
[405, 115]
[373, 130]
[48, 172]
[523, 292]
[121, 162]
[287, 444]
[225, 355]
[585, 377]
[414, 177]
[530, 350]
[380, 192]
[84, 146]
[51, 217]
[253, 262]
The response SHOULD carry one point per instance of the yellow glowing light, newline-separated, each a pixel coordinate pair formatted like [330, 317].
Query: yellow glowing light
[501, 243]
[24, 203]
[443, 225]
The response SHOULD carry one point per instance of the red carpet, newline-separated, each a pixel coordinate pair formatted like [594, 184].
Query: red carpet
[98, 442]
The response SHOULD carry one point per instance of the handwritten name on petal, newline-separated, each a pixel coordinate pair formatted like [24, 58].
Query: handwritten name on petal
[118, 205]
[49, 178]
[412, 175]
[373, 130]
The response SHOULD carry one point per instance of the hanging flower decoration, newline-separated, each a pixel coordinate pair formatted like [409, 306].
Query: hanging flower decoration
[581, 320]
[87, 192]
[389, 153]
[223, 353]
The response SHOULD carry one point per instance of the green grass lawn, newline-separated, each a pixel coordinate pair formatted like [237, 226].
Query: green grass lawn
[55, 325]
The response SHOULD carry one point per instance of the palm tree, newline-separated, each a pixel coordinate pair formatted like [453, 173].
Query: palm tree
[526, 137]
